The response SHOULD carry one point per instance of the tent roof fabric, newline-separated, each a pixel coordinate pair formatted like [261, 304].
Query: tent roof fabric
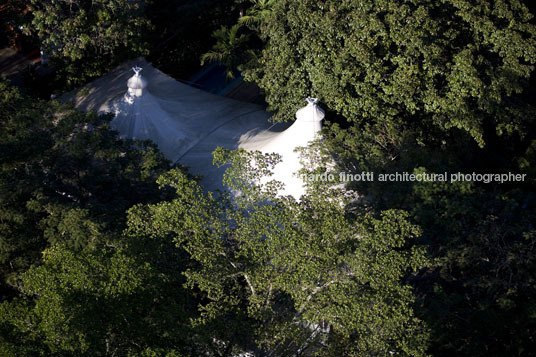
[187, 124]
[305, 129]
[137, 82]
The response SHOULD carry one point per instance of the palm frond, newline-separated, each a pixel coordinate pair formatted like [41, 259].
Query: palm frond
[211, 57]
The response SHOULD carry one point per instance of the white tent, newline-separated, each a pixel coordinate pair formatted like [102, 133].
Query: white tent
[187, 124]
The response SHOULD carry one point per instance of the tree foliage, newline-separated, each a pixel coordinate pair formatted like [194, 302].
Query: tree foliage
[285, 269]
[71, 283]
[428, 86]
[259, 12]
[99, 259]
[89, 36]
[417, 64]
[228, 49]
[123, 299]
[195, 273]
[65, 178]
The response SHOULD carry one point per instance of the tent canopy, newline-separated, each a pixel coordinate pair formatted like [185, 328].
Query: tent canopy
[187, 124]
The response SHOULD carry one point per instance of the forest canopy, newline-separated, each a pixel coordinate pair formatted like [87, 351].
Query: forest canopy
[107, 249]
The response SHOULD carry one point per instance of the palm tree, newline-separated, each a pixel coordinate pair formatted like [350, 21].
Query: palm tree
[260, 11]
[228, 49]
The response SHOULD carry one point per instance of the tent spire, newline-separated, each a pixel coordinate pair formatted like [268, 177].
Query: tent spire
[137, 83]
[137, 70]
[311, 101]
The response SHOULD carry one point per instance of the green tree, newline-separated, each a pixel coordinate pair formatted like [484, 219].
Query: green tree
[228, 49]
[99, 301]
[259, 12]
[478, 295]
[65, 177]
[277, 272]
[88, 37]
[390, 65]
[72, 284]
[424, 86]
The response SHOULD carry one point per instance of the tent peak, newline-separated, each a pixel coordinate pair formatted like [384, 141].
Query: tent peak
[137, 70]
[312, 112]
[137, 83]
[311, 101]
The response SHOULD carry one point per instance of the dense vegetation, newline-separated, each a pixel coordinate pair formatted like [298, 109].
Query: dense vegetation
[430, 86]
[106, 250]
[85, 39]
